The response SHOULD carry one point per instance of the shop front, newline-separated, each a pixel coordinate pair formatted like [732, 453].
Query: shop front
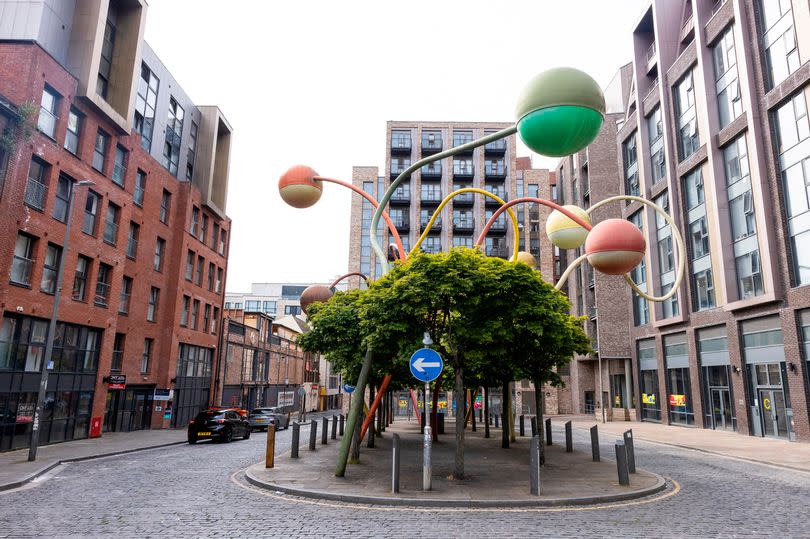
[129, 408]
[192, 384]
[679, 390]
[715, 367]
[648, 381]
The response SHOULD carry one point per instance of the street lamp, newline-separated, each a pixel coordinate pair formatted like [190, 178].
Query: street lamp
[43, 373]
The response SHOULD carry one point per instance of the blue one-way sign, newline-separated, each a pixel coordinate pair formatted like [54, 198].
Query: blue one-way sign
[426, 364]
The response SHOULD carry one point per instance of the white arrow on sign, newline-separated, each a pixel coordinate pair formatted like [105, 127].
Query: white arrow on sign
[420, 364]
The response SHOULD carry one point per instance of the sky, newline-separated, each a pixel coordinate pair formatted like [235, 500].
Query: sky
[314, 82]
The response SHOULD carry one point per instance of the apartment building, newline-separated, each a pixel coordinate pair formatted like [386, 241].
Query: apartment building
[95, 121]
[275, 299]
[716, 132]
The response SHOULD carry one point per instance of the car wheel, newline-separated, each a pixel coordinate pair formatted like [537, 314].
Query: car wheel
[192, 440]
[228, 437]
[247, 434]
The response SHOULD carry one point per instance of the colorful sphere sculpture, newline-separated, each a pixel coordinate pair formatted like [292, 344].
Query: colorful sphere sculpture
[527, 258]
[313, 294]
[299, 188]
[615, 246]
[563, 231]
[560, 112]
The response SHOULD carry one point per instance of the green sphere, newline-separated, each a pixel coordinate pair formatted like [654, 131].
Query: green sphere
[560, 112]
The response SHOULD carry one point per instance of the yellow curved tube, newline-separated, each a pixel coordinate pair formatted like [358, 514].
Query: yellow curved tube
[449, 197]
[678, 240]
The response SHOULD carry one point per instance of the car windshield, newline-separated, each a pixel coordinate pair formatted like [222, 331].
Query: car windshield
[210, 414]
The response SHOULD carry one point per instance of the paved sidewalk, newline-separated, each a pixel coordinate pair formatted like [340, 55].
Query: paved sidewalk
[495, 476]
[792, 455]
[15, 470]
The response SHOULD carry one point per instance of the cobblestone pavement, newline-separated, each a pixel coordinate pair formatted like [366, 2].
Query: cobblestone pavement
[191, 491]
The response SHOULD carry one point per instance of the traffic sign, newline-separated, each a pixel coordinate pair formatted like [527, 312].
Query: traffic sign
[426, 364]
[348, 389]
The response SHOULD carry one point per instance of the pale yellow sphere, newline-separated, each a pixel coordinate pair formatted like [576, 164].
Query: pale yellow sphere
[527, 258]
[563, 231]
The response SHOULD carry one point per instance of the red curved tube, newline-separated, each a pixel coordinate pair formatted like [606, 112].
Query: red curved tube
[550, 204]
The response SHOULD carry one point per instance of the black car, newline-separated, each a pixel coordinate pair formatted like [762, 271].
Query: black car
[222, 425]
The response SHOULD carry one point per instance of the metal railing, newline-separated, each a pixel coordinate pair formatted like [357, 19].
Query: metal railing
[35, 193]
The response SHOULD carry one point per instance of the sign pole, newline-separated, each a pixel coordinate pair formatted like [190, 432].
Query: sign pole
[427, 446]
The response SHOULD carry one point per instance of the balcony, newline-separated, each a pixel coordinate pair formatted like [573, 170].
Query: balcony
[463, 169]
[499, 226]
[431, 143]
[464, 199]
[432, 247]
[497, 147]
[401, 195]
[498, 191]
[402, 224]
[398, 168]
[462, 138]
[432, 171]
[431, 196]
[400, 143]
[463, 225]
[499, 251]
[423, 221]
[495, 170]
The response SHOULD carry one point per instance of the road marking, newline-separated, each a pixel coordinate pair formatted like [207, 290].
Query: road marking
[238, 479]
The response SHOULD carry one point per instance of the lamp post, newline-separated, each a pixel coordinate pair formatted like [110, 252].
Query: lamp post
[43, 376]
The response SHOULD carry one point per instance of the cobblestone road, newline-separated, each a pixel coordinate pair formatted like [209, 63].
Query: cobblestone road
[187, 491]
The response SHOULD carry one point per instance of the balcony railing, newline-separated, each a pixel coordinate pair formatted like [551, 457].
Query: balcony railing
[35, 194]
[495, 171]
[402, 223]
[495, 147]
[463, 170]
[499, 225]
[401, 196]
[110, 232]
[463, 224]
[459, 139]
[432, 247]
[431, 143]
[498, 251]
[431, 196]
[437, 224]
[132, 247]
[400, 144]
[102, 294]
[433, 170]
[498, 191]
[464, 199]
[21, 269]
[399, 168]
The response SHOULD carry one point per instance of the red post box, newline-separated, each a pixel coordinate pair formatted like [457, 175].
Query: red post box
[95, 427]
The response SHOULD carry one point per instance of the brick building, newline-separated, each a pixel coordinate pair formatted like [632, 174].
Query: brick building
[144, 270]
[716, 131]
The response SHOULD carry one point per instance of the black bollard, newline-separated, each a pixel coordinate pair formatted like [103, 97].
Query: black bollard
[595, 443]
[621, 463]
[534, 427]
[631, 452]
[489, 420]
[422, 425]
[334, 427]
[325, 431]
[440, 422]
[370, 434]
[296, 434]
[313, 434]
[395, 463]
[569, 442]
[342, 420]
[548, 431]
[522, 425]
[534, 466]
[497, 421]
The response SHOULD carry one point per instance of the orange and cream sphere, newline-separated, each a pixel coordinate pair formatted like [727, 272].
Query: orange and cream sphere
[615, 246]
[313, 294]
[527, 258]
[299, 188]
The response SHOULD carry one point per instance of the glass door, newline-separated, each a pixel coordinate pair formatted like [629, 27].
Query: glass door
[721, 409]
[774, 418]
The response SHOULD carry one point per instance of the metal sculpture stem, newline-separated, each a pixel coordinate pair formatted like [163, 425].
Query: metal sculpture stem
[448, 198]
[351, 274]
[354, 415]
[377, 207]
[375, 219]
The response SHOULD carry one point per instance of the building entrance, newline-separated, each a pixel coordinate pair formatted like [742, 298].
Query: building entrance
[722, 409]
[129, 409]
[773, 412]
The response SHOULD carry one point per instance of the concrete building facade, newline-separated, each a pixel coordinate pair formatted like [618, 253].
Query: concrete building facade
[82, 97]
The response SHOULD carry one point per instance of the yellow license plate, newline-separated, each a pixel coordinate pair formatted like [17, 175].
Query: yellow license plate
[206, 433]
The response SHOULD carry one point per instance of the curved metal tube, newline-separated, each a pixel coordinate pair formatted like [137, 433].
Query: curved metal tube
[376, 205]
[352, 274]
[375, 219]
[678, 240]
[448, 198]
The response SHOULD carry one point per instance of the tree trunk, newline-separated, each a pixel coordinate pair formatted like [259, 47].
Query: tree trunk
[511, 415]
[486, 413]
[458, 466]
[541, 427]
[505, 416]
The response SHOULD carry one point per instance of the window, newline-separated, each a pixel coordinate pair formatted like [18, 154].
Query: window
[145, 103]
[152, 306]
[215, 237]
[184, 311]
[655, 133]
[462, 137]
[211, 276]
[174, 133]
[400, 139]
[192, 151]
[160, 247]
[779, 39]
[741, 213]
[111, 224]
[204, 229]
[195, 221]
[218, 285]
[165, 206]
[269, 307]
[630, 157]
[727, 85]
[53, 254]
[206, 325]
[80, 278]
[700, 238]
[223, 236]
[36, 188]
[432, 244]
[118, 352]
[23, 261]
[252, 305]
[463, 167]
[132, 240]
[189, 265]
[140, 188]
[670, 306]
[105, 63]
[693, 187]
[64, 187]
[215, 320]
[703, 292]
[462, 241]
[47, 111]
[292, 309]
[100, 150]
[126, 293]
[665, 258]
[74, 126]
[749, 276]
[147, 355]
[198, 276]
[688, 140]
[195, 313]
[90, 213]
[120, 165]
[103, 280]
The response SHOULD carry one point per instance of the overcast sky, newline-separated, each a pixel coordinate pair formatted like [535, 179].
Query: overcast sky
[313, 82]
